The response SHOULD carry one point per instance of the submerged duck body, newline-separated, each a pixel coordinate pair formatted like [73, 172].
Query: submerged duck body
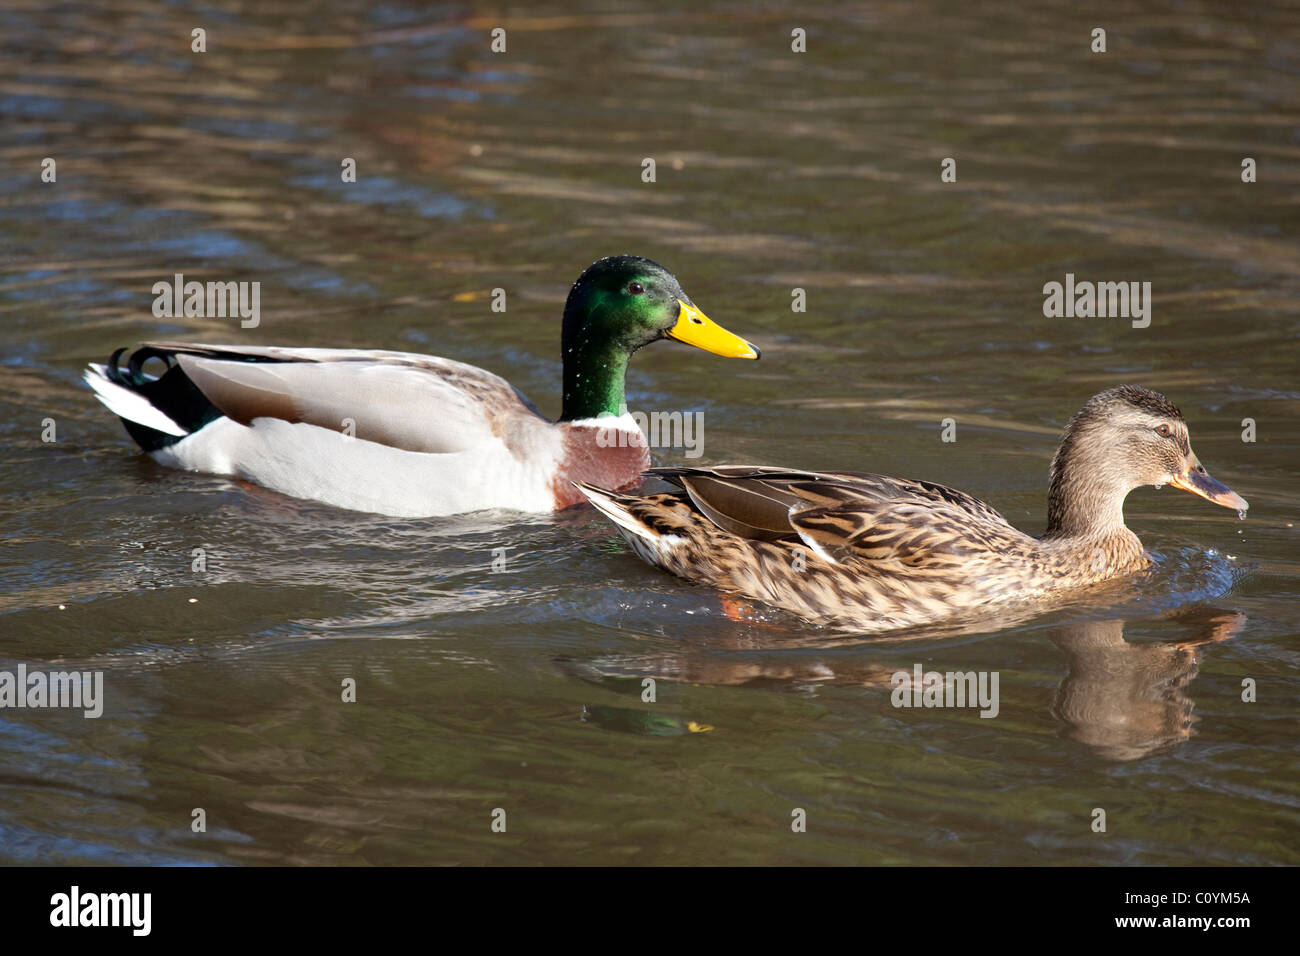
[412, 435]
[877, 553]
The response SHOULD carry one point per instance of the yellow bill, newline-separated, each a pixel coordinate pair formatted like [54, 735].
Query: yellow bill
[695, 328]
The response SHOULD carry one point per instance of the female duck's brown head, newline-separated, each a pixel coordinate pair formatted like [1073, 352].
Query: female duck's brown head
[1121, 439]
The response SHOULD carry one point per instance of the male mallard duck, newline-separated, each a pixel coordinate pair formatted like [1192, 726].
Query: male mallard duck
[413, 435]
[877, 553]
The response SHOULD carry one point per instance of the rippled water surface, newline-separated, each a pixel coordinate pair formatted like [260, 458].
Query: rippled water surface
[521, 690]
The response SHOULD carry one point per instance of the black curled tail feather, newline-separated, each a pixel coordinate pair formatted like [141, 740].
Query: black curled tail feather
[172, 393]
[135, 377]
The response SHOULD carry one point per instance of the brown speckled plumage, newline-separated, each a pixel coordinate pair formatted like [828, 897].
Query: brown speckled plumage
[878, 553]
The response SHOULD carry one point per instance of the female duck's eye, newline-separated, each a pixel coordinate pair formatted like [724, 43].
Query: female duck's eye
[635, 288]
[1163, 431]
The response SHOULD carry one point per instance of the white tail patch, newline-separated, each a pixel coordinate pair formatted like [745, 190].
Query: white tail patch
[128, 404]
[616, 513]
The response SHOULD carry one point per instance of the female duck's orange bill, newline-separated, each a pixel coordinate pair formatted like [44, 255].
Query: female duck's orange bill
[1198, 481]
[695, 328]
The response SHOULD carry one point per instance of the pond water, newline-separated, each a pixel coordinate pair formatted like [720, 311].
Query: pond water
[521, 689]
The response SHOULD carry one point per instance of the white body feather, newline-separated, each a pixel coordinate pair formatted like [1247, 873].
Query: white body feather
[478, 443]
[307, 461]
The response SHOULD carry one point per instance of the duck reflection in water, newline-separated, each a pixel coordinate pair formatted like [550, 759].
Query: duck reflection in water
[1121, 700]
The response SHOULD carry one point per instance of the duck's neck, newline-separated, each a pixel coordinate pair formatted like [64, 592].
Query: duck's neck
[1086, 498]
[594, 374]
[1079, 509]
[1085, 516]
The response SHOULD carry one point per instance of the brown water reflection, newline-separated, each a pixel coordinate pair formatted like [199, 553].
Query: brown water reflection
[1120, 700]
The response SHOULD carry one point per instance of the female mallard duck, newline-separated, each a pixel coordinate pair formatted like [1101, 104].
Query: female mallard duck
[413, 435]
[877, 553]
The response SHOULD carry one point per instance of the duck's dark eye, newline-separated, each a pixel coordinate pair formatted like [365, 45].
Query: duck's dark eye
[1164, 431]
[635, 288]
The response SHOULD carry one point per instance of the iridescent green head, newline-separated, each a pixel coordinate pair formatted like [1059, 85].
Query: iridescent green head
[618, 305]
